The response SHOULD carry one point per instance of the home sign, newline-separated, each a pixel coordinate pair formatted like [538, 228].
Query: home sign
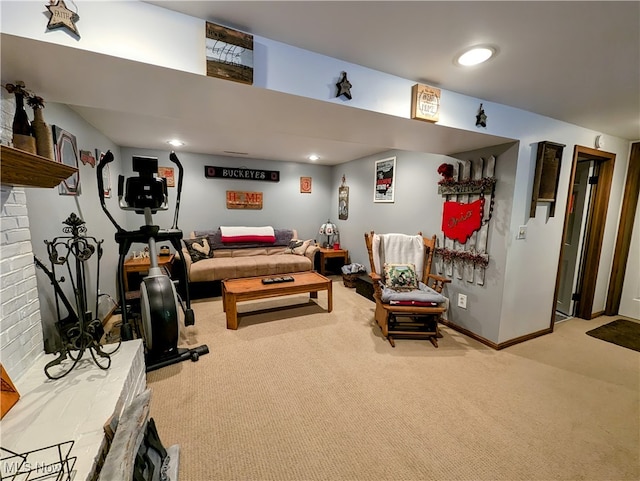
[238, 199]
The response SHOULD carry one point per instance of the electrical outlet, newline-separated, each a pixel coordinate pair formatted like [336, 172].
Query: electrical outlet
[462, 301]
[522, 232]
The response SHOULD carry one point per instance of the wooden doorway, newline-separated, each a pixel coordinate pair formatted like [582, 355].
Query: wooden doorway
[625, 228]
[593, 231]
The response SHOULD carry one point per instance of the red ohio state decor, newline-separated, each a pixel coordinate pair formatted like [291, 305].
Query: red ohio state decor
[459, 220]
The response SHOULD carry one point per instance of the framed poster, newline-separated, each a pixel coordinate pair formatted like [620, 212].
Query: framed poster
[66, 152]
[384, 183]
[343, 202]
[305, 185]
[106, 176]
[167, 174]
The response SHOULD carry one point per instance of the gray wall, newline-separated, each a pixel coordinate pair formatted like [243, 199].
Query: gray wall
[48, 209]
[203, 202]
[418, 208]
[203, 206]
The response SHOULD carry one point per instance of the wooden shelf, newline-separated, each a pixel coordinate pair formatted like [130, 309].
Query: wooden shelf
[22, 169]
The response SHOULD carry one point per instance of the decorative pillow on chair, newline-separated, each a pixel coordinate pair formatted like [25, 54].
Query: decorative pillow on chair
[400, 277]
[198, 248]
[297, 246]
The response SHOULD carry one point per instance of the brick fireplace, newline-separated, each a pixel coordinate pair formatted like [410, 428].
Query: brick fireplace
[21, 338]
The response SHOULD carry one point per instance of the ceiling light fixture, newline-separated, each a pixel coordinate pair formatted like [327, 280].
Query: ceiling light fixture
[175, 142]
[313, 157]
[475, 55]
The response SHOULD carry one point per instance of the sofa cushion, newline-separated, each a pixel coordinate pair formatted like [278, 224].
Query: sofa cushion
[400, 277]
[218, 268]
[423, 293]
[249, 252]
[297, 246]
[198, 248]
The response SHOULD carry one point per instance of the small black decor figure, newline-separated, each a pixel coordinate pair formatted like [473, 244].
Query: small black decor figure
[481, 118]
[79, 330]
[344, 86]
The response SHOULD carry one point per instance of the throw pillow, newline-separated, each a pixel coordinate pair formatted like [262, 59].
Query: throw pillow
[400, 277]
[297, 246]
[198, 248]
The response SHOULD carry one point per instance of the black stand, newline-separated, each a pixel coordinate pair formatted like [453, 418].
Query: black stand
[79, 330]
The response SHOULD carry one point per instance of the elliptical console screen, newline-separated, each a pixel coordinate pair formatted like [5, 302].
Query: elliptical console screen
[146, 190]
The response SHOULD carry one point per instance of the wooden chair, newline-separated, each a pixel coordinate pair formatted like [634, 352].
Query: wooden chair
[415, 321]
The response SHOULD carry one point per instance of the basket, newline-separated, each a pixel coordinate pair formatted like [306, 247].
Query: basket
[350, 279]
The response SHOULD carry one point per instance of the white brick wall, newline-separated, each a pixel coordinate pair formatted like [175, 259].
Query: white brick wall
[21, 340]
[7, 110]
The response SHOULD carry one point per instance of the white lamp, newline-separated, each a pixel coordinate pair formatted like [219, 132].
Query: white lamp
[330, 230]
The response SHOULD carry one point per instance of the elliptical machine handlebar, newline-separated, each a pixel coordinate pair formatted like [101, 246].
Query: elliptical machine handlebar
[174, 158]
[106, 158]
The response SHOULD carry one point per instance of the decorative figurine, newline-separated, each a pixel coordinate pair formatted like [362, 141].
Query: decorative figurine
[481, 118]
[344, 86]
[62, 17]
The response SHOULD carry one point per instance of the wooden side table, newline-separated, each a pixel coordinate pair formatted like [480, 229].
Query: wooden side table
[327, 253]
[132, 266]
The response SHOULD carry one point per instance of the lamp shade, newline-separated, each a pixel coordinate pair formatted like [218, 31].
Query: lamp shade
[330, 230]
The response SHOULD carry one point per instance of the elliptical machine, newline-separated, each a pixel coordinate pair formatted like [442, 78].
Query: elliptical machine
[159, 300]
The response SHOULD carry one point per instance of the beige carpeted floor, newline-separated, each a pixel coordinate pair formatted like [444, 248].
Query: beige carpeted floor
[302, 394]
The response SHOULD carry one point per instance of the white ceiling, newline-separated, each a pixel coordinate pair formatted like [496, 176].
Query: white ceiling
[573, 61]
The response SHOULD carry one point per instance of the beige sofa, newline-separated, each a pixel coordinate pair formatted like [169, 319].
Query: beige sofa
[234, 261]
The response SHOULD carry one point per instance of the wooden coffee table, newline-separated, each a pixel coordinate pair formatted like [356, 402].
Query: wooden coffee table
[246, 289]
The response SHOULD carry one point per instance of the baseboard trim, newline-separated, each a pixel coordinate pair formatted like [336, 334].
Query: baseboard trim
[527, 337]
[491, 344]
[470, 334]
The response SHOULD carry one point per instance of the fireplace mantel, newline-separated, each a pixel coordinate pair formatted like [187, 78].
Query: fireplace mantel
[73, 408]
[22, 169]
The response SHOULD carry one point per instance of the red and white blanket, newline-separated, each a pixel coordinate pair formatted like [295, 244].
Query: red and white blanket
[237, 234]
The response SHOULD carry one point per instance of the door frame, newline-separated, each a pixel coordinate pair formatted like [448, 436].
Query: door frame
[625, 229]
[594, 232]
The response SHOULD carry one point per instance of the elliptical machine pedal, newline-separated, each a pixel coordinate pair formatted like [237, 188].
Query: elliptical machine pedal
[158, 319]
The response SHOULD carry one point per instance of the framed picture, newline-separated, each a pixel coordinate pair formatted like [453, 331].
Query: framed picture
[66, 152]
[229, 53]
[425, 103]
[384, 183]
[305, 185]
[106, 175]
[343, 202]
[167, 174]
[87, 158]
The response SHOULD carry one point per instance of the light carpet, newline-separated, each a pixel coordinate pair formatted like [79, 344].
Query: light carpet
[297, 393]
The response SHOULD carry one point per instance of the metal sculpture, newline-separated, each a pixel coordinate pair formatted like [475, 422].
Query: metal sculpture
[80, 330]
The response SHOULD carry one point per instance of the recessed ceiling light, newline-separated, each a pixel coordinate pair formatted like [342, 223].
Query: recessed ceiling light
[313, 157]
[175, 142]
[475, 56]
